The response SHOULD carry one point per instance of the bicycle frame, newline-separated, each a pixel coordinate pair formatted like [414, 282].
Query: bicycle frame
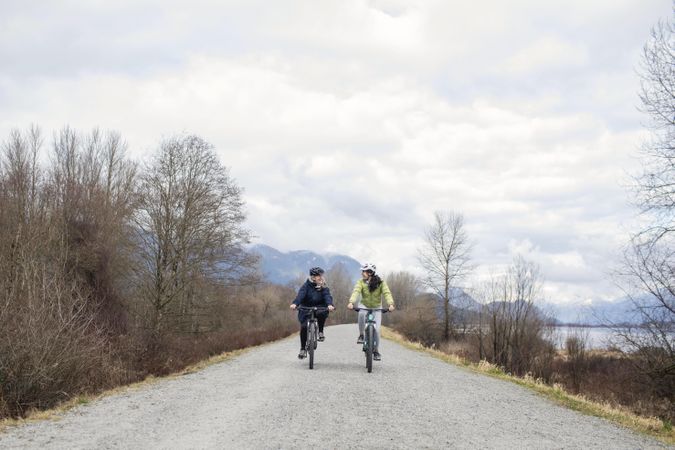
[369, 334]
[312, 330]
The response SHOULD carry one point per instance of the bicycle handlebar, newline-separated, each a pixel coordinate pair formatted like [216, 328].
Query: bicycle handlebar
[384, 310]
[312, 308]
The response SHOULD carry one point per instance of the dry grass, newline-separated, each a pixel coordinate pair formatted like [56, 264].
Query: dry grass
[650, 426]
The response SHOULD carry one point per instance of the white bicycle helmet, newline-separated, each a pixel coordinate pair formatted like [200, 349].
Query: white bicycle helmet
[369, 267]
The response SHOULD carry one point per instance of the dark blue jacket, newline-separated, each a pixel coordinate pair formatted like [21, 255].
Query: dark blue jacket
[309, 295]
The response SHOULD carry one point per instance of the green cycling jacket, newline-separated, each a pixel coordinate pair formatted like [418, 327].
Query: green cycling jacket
[371, 299]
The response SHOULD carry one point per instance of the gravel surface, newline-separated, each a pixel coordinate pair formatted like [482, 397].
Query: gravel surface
[267, 398]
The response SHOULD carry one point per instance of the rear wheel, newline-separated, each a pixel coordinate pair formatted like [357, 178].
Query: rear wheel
[311, 343]
[370, 332]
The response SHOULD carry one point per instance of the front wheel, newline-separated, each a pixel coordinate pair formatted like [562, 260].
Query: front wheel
[311, 343]
[370, 336]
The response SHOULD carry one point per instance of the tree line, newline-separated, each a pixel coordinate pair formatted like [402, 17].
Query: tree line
[111, 269]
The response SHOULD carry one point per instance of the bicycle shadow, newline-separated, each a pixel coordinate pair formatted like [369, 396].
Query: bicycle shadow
[338, 367]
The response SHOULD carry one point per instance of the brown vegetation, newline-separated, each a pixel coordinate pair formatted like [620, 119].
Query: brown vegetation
[611, 377]
[341, 287]
[605, 377]
[512, 331]
[109, 273]
[508, 331]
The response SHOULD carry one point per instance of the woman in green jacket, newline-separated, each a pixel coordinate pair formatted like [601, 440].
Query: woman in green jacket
[371, 288]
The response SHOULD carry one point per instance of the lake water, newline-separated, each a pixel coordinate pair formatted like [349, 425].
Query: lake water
[596, 337]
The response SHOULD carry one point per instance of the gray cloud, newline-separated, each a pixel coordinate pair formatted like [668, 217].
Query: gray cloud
[350, 122]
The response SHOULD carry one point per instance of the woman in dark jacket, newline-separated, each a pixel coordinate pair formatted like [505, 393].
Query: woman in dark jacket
[313, 293]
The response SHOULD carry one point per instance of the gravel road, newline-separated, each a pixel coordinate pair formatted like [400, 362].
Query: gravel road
[267, 398]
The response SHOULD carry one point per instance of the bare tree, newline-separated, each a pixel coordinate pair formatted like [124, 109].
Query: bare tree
[52, 341]
[576, 345]
[23, 174]
[648, 280]
[190, 229]
[512, 330]
[405, 287]
[648, 272]
[92, 195]
[419, 321]
[656, 185]
[20, 205]
[340, 285]
[445, 258]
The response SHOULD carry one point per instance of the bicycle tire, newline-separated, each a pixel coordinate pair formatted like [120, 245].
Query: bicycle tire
[370, 332]
[311, 343]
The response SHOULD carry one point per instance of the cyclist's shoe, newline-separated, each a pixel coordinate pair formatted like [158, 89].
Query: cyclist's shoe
[360, 339]
[377, 356]
[321, 337]
[302, 354]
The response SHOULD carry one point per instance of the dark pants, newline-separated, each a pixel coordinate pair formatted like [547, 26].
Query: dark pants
[303, 328]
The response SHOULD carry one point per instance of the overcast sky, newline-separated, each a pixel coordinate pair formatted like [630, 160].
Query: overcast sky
[348, 123]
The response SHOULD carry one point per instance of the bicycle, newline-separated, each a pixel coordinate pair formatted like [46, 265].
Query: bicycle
[369, 335]
[312, 330]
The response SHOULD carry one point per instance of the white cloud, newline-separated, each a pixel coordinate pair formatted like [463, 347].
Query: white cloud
[546, 54]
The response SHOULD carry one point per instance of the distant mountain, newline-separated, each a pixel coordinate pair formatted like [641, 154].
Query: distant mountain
[463, 306]
[283, 268]
[459, 299]
[597, 312]
[620, 311]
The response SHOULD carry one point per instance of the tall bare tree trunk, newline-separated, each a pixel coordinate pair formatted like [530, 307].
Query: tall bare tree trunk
[445, 257]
